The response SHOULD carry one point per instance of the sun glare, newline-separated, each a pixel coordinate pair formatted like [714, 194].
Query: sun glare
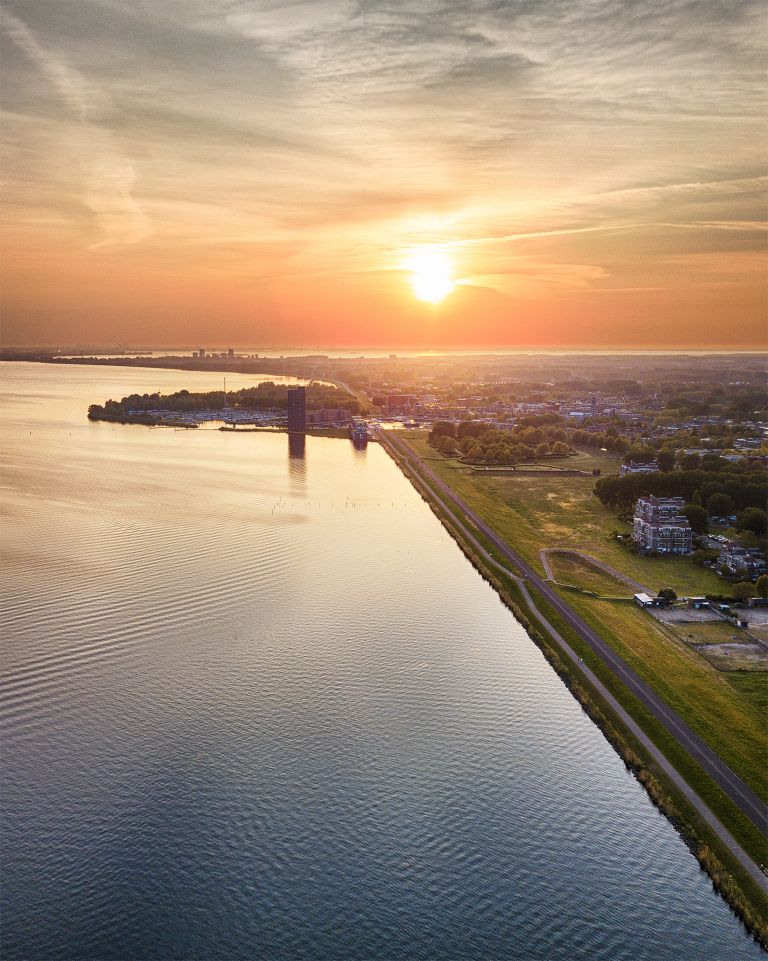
[431, 273]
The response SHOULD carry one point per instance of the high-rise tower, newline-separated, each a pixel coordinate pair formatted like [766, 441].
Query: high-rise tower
[297, 408]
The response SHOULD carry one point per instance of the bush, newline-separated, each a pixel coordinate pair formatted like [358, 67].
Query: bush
[743, 591]
[753, 519]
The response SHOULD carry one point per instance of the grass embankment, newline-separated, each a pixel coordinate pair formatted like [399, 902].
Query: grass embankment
[737, 887]
[727, 718]
[534, 513]
[575, 570]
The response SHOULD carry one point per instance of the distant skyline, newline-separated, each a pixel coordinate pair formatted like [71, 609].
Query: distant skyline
[223, 172]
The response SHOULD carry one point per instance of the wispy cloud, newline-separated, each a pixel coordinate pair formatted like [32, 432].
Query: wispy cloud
[553, 145]
[109, 175]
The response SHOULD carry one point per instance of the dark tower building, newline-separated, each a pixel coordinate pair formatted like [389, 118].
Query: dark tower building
[297, 408]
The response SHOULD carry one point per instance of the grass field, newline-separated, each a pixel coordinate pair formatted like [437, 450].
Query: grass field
[729, 719]
[555, 512]
[575, 570]
[711, 632]
[561, 511]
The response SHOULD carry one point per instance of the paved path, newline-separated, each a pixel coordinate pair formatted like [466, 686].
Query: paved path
[730, 783]
[545, 551]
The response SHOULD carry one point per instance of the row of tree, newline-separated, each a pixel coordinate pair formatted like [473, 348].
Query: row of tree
[609, 440]
[264, 396]
[741, 486]
[668, 459]
[476, 443]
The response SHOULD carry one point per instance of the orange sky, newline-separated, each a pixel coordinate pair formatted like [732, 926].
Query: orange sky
[213, 172]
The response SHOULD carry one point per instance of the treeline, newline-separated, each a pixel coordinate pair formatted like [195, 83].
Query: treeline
[477, 443]
[265, 396]
[610, 440]
[740, 401]
[740, 487]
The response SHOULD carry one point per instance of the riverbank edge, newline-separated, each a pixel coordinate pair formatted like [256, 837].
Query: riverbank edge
[747, 901]
[140, 421]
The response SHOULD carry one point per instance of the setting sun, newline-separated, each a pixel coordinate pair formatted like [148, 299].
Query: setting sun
[431, 273]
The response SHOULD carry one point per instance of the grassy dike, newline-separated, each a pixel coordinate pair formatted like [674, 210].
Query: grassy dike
[744, 896]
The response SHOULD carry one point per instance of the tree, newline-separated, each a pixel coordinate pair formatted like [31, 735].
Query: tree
[713, 462]
[705, 556]
[753, 519]
[666, 460]
[748, 540]
[668, 594]
[697, 518]
[743, 591]
[719, 505]
[469, 428]
[761, 588]
[447, 445]
[441, 428]
[640, 454]
[560, 449]
[689, 461]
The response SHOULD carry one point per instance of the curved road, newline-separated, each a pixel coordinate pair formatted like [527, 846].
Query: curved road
[601, 565]
[742, 795]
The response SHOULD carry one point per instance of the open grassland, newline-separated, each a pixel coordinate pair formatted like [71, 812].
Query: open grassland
[554, 511]
[577, 571]
[707, 632]
[724, 646]
[532, 513]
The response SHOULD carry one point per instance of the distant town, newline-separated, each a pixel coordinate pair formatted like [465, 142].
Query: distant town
[689, 432]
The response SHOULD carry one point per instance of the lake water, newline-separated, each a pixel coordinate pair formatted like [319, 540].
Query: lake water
[257, 704]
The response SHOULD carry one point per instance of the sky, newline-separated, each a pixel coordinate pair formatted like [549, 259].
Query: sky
[586, 173]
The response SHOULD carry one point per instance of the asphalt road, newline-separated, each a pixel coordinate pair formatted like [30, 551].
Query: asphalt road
[742, 795]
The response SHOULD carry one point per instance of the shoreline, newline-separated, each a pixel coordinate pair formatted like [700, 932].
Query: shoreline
[746, 893]
[340, 433]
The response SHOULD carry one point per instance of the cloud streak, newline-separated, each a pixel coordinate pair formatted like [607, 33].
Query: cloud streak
[109, 175]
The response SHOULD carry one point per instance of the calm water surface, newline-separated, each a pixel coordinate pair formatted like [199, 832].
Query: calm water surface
[257, 704]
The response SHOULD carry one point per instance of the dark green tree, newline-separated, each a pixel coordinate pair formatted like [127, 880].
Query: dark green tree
[719, 505]
[441, 428]
[666, 460]
[753, 519]
[743, 591]
[697, 518]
